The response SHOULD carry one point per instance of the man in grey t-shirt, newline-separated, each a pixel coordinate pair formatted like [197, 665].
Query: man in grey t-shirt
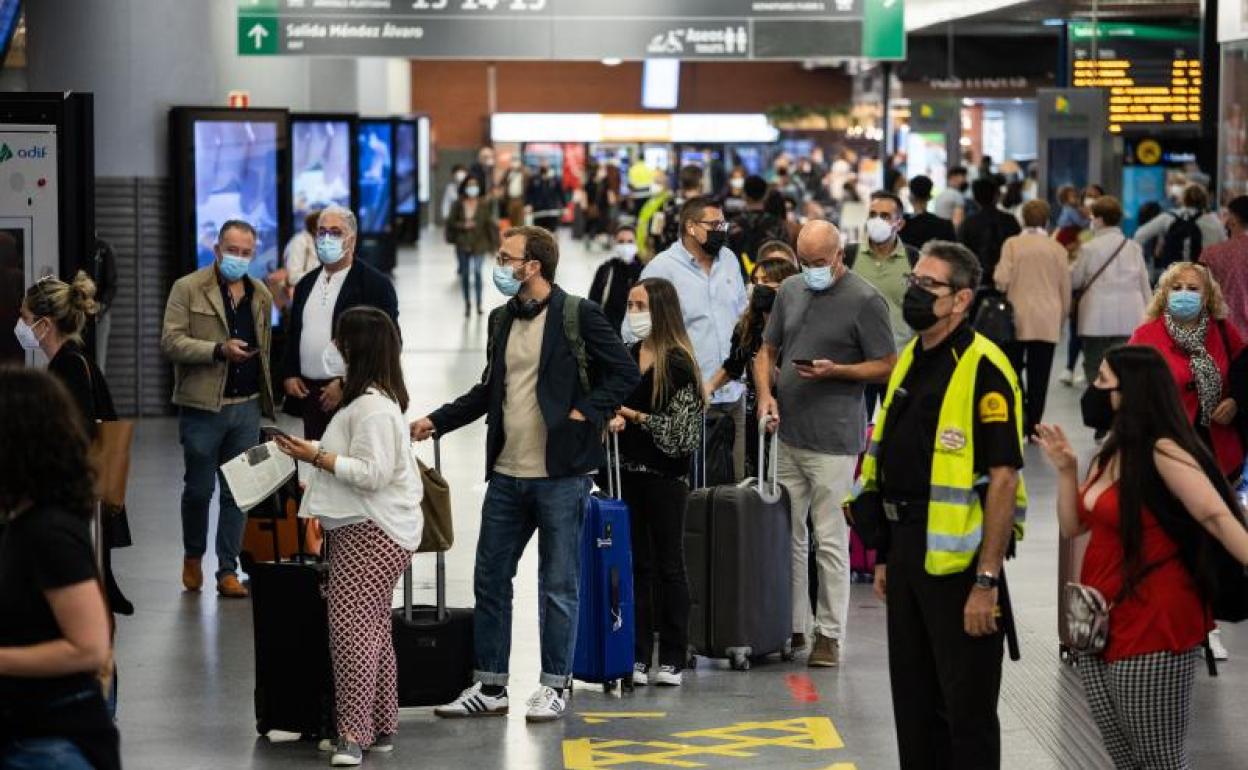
[829, 335]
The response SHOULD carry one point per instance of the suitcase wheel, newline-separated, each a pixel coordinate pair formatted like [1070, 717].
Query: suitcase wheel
[609, 686]
[1066, 655]
[262, 727]
[627, 683]
[739, 661]
[692, 663]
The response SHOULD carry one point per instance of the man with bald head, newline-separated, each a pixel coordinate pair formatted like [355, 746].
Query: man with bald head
[829, 336]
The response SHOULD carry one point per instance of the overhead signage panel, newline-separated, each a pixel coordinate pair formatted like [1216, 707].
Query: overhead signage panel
[574, 29]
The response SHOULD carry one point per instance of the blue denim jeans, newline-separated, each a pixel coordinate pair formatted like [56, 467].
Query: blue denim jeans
[513, 510]
[42, 754]
[210, 439]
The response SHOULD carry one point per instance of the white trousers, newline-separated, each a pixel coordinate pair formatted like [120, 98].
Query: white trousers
[817, 484]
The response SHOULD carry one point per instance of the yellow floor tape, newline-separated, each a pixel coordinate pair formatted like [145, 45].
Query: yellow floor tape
[695, 748]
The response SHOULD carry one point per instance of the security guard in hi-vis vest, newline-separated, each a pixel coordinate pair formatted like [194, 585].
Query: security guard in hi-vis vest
[942, 497]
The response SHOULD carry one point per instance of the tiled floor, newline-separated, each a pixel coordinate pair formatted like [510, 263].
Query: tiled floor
[186, 660]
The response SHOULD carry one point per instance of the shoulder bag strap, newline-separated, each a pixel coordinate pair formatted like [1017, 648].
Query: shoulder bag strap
[1105, 266]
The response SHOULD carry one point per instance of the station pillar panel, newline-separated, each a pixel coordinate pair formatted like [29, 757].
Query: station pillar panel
[932, 145]
[1074, 142]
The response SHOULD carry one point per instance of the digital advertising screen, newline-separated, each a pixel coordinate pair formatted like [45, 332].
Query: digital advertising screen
[1140, 185]
[405, 175]
[376, 145]
[927, 154]
[237, 175]
[1068, 165]
[320, 153]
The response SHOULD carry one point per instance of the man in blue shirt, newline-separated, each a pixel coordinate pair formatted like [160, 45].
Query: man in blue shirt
[712, 298]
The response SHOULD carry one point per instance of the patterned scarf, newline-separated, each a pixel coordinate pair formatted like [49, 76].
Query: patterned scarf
[1191, 340]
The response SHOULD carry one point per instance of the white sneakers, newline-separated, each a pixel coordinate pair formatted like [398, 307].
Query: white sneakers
[1216, 646]
[546, 705]
[641, 675]
[474, 703]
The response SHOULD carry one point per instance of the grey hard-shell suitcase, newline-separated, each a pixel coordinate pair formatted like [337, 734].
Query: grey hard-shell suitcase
[739, 560]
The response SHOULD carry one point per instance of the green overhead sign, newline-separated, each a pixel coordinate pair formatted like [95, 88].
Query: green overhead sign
[729, 30]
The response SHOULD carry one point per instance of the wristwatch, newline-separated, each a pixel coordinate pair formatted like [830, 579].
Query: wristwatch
[986, 580]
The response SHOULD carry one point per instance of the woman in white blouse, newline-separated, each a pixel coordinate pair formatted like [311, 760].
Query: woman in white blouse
[365, 490]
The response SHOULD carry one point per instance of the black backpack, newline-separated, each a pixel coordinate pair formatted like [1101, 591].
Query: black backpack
[994, 317]
[752, 229]
[1182, 241]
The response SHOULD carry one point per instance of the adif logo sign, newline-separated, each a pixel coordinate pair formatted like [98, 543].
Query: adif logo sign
[26, 153]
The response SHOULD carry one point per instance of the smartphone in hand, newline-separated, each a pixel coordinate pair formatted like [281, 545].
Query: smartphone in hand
[803, 362]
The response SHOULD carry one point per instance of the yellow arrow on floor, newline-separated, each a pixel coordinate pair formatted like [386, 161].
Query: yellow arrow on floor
[601, 717]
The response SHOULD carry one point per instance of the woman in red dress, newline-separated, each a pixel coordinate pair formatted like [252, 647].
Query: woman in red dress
[1157, 506]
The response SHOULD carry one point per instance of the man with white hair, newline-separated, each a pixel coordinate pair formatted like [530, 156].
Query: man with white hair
[313, 369]
[829, 336]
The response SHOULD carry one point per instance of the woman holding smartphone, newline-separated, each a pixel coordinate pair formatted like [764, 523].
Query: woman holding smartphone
[365, 490]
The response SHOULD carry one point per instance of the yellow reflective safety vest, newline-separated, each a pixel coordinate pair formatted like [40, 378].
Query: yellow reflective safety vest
[955, 515]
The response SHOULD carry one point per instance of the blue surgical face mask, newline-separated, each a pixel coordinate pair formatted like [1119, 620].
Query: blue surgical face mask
[329, 250]
[817, 278]
[506, 282]
[233, 267]
[1184, 304]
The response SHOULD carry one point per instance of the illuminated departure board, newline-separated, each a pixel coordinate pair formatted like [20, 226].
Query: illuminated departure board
[1152, 73]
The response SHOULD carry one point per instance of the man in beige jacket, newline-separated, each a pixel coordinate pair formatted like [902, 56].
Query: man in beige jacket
[1034, 273]
[217, 335]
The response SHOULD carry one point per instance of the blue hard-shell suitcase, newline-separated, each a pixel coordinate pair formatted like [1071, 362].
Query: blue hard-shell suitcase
[605, 636]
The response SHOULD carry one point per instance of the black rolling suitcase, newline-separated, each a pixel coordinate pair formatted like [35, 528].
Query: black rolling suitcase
[294, 677]
[737, 551]
[432, 645]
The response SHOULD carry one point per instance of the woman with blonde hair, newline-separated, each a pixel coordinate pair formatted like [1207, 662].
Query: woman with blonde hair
[1187, 325]
[660, 427]
[53, 316]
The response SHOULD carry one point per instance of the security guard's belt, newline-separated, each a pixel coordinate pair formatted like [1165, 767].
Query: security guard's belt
[905, 511]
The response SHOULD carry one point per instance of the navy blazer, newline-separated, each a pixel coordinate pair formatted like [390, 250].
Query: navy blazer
[573, 447]
[365, 285]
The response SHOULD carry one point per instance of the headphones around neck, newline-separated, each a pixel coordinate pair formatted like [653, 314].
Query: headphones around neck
[526, 309]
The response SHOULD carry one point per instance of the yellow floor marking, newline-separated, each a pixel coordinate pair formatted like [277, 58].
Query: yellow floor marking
[842, 766]
[601, 717]
[696, 747]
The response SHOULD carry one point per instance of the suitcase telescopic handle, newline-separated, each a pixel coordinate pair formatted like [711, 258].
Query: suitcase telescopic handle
[615, 484]
[770, 492]
[440, 570]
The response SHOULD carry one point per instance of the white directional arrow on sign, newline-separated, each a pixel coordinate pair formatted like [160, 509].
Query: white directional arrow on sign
[257, 34]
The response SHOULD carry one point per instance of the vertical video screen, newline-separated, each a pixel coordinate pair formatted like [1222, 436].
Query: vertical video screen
[320, 167]
[236, 177]
[12, 291]
[376, 160]
[405, 168]
[1068, 165]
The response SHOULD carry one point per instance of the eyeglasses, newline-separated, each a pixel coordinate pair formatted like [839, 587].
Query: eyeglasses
[503, 260]
[926, 282]
[713, 224]
[334, 232]
[238, 253]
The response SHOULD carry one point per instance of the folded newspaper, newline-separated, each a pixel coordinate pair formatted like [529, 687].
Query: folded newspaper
[256, 474]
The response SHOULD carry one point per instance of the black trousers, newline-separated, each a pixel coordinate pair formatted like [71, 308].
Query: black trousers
[1036, 359]
[945, 683]
[660, 586]
[315, 419]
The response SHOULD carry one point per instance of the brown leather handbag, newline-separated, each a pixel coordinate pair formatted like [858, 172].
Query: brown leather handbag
[439, 532]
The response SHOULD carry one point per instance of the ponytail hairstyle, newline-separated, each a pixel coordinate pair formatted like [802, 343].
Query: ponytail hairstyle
[67, 306]
[667, 337]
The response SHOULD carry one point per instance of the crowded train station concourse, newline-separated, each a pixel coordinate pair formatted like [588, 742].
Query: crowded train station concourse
[580, 384]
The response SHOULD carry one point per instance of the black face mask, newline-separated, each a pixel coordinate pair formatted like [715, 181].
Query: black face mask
[918, 308]
[715, 240]
[762, 299]
[1097, 409]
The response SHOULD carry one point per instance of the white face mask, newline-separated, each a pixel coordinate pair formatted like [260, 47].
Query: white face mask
[460, 176]
[1176, 191]
[1087, 202]
[640, 324]
[878, 230]
[333, 361]
[626, 251]
[26, 336]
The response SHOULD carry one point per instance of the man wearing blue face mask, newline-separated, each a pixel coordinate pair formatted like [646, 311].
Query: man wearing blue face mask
[311, 380]
[216, 333]
[555, 373]
[830, 336]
